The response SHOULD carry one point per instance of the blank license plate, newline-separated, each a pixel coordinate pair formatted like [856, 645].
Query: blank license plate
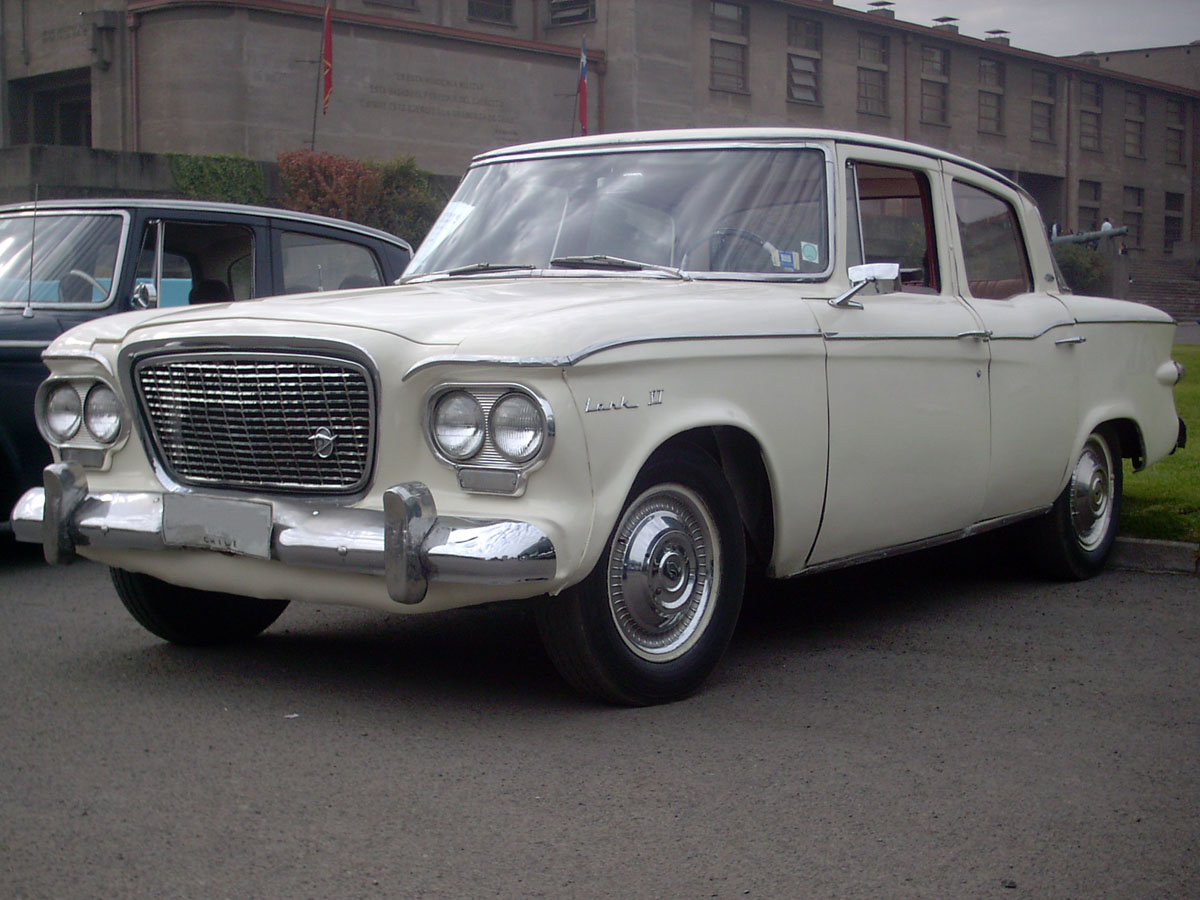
[231, 526]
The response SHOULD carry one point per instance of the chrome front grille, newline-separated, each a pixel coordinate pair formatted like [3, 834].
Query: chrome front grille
[259, 420]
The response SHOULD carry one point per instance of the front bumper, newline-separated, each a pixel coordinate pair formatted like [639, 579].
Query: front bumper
[407, 543]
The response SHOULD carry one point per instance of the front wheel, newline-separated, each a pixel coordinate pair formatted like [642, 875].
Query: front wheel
[653, 618]
[1074, 539]
[190, 616]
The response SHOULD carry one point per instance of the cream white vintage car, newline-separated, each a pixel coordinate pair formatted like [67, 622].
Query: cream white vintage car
[620, 370]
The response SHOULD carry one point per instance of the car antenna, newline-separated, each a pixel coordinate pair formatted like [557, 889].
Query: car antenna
[28, 313]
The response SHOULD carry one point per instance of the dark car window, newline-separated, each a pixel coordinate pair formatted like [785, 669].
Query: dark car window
[992, 247]
[313, 263]
[64, 258]
[203, 262]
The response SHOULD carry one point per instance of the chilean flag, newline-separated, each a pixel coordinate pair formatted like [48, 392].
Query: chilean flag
[583, 87]
[327, 54]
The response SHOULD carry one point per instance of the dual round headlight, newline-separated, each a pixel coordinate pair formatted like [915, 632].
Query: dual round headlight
[515, 425]
[99, 412]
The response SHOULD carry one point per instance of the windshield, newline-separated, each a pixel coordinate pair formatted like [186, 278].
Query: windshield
[757, 211]
[74, 257]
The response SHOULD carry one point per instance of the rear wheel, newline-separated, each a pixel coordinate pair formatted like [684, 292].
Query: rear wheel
[653, 618]
[1074, 539]
[190, 616]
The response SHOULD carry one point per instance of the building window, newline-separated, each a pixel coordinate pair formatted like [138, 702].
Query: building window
[872, 48]
[1044, 85]
[991, 95]
[991, 112]
[804, 34]
[1173, 147]
[570, 12]
[728, 64]
[872, 73]
[1089, 205]
[1172, 221]
[872, 92]
[1041, 121]
[935, 85]
[804, 75]
[1091, 102]
[730, 18]
[1132, 215]
[935, 61]
[490, 10]
[410, 5]
[934, 102]
[1135, 124]
[804, 60]
[727, 55]
[1041, 107]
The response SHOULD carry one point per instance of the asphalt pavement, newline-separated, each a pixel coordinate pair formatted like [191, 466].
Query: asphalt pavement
[943, 725]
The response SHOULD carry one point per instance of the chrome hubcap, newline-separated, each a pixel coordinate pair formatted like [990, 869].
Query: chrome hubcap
[1091, 493]
[661, 572]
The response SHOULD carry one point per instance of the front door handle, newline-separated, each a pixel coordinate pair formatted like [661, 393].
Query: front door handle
[1078, 339]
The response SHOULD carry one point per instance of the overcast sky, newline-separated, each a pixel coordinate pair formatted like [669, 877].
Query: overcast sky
[1062, 27]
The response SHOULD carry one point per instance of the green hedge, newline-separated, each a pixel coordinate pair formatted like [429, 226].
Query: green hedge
[228, 179]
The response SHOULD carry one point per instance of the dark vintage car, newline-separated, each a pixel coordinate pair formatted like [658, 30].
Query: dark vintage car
[67, 261]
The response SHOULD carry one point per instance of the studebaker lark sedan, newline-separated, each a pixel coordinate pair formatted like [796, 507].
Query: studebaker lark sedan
[619, 371]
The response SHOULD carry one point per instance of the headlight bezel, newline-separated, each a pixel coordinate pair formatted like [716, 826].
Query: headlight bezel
[81, 443]
[489, 470]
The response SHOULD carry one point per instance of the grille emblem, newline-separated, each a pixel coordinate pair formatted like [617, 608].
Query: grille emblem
[322, 441]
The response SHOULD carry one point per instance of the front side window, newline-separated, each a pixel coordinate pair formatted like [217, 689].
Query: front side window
[895, 210]
[749, 211]
[202, 262]
[992, 246]
[60, 258]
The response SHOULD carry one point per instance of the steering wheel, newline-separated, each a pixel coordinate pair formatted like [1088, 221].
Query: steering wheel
[724, 233]
[65, 295]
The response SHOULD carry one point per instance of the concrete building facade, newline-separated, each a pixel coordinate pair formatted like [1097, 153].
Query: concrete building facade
[441, 80]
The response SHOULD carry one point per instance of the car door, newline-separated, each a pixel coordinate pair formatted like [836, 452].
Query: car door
[907, 372]
[193, 256]
[1033, 376]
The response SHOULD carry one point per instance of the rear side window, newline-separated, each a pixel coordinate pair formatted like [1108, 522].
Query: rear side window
[993, 249]
[312, 263]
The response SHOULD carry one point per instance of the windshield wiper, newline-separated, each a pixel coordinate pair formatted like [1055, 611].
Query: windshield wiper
[482, 267]
[603, 261]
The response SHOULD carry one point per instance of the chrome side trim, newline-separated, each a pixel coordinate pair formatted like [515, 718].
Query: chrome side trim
[925, 544]
[407, 542]
[24, 345]
[571, 359]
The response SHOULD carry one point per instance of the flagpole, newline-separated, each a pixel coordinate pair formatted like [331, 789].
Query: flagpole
[312, 145]
[324, 69]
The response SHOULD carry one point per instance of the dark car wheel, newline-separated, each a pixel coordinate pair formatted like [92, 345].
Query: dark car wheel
[1074, 539]
[653, 618]
[193, 617]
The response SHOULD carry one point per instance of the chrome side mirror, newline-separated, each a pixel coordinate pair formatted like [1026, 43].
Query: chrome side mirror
[144, 297]
[860, 277]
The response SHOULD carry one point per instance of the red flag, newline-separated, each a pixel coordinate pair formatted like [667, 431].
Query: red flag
[327, 54]
[583, 87]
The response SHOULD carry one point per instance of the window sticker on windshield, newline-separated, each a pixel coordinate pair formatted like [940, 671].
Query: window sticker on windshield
[449, 222]
[810, 252]
[787, 260]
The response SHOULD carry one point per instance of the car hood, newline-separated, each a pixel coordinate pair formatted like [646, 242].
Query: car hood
[513, 316]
